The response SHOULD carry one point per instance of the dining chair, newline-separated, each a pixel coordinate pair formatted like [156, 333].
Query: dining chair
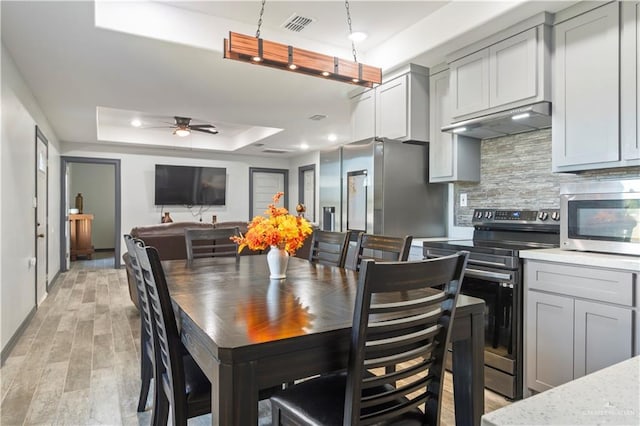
[146, 329]
[212, 242]
[329, 248]
[180, 383]
[403, 315]
[380, 247]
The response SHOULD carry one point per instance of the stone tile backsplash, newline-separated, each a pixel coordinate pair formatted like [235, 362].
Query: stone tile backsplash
[515, 172]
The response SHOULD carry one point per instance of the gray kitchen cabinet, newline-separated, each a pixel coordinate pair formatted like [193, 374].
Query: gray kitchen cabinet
[397, 109]
[470, 83]
[549, 331]
[363, 115]
[402, 106]
[451, 157]
[513, 69]
[586, 92]
[630, 81]
[595, 95]
[579, 320]
[505, 74]
[602, 338]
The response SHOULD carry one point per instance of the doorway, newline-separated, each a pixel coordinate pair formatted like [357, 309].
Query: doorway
[42, 216]
[263, 185]
[307, 190]
[96, 182]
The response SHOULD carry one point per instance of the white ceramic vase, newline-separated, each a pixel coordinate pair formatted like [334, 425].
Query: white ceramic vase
[278, 259]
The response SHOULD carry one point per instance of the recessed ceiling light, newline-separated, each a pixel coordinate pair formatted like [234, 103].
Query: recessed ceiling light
[136, 122]
[332, 138]
[304, 146]
[358, 36]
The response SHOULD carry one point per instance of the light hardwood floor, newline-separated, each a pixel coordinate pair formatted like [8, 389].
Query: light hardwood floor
[77, 363]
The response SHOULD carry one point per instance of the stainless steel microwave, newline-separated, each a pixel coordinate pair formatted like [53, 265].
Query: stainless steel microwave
[601, 216]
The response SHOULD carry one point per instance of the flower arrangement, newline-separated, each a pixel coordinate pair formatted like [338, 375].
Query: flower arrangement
[279, 229]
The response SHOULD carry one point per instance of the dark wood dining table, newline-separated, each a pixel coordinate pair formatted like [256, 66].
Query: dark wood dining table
[250, 334]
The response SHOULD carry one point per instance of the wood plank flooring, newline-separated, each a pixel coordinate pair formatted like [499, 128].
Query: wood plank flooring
[78, 361]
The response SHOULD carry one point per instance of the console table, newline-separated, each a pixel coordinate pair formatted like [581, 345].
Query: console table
[80, 230]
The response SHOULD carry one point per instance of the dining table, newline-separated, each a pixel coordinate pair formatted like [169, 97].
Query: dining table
[250, 334]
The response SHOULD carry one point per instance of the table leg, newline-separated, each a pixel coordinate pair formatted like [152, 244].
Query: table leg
[468, 374]
[234, 396]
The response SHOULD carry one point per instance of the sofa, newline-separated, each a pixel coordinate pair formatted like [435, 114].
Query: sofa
[168, 239]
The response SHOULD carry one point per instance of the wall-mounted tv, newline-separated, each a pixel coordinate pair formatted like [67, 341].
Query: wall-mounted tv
[190, 185]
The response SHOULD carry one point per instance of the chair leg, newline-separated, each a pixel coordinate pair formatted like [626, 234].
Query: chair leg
[160, 415]
[146, 374]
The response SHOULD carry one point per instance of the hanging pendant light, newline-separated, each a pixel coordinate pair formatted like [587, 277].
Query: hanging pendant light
[258, 51]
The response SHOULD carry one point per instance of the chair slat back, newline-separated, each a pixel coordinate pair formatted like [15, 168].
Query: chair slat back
[211, 242]
[414, 331]
[147, 329]
[166, 340]
[381, 248]
[329, 248]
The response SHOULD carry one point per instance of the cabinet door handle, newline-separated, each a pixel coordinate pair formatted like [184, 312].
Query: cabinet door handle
[40, 235]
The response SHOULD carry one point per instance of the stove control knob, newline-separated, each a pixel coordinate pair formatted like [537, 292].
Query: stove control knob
[478, 214]
[543, 216]
[488, 215]
[555, 215]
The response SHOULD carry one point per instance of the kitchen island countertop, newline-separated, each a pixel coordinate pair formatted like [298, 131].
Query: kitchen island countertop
[612, 261]
[610, 396]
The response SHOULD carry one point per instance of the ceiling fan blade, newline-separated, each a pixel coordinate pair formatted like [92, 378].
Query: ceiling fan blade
[205, 129]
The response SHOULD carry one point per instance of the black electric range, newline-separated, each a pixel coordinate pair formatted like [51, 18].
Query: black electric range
[494, 273]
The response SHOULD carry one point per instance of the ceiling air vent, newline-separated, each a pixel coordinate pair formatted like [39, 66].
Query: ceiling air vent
[317, 117]
[297, 23]
[276, 151]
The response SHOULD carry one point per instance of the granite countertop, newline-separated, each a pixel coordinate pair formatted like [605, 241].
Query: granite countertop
[610, 396]
[612, 261]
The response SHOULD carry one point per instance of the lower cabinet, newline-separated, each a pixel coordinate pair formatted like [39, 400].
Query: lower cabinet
[578, 320]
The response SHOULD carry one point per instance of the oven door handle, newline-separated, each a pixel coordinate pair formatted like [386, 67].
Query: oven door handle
[485, 263]
[478, 273]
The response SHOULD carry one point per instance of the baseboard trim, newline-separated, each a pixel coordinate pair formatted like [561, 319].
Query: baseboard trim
[14, 339]
[54, 281]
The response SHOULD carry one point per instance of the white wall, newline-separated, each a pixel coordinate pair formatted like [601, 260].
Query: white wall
[20, 114]
[96, 184]
[138, 174]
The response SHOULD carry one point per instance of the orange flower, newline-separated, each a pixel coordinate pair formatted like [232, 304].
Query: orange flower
[278, 228]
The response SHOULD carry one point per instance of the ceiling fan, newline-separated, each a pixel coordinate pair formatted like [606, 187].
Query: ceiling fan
[183, 127]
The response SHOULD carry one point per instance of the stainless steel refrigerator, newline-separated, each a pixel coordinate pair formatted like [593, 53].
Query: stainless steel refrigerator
[381, 186]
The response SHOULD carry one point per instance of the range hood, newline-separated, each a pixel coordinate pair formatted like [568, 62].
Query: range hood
[518, 120]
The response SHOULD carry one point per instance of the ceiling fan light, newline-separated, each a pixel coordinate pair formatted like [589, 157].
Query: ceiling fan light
[182, 132]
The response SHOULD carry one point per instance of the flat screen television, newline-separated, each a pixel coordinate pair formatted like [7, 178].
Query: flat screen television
[190, 185]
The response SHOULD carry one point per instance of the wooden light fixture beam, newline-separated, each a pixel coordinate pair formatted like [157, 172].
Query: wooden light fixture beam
[264, 52]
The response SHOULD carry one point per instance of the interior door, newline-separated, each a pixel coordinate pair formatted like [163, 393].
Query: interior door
[307, 190]
[41, 217]
[263, 185]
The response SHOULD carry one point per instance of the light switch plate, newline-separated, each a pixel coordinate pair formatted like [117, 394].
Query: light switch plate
[463, 200]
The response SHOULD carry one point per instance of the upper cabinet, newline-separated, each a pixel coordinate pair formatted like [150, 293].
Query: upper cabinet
[397, 109]
[451, 157]
[595, 110]
[630, 81]
[507, 70]
[363, 113]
